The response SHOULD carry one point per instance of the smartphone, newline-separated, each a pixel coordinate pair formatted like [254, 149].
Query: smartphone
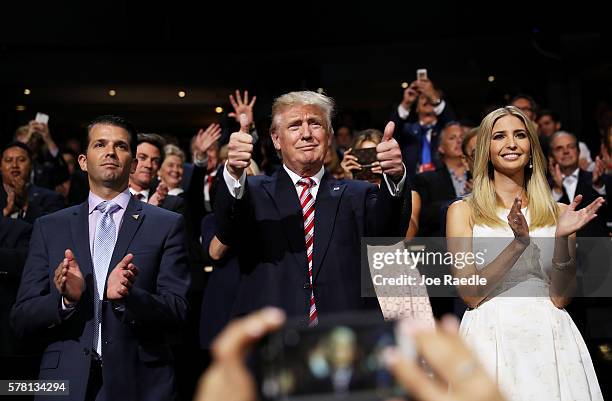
[42, 118]
[366, 158]
[421, 73]
[340, 357]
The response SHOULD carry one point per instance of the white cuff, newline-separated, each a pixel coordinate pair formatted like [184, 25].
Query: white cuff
[601, 190]
[440, 108]
[395, 189]
[200, 162]
[235, 187]
[403, 112]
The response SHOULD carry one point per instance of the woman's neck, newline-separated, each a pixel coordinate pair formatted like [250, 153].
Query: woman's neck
[508, 187]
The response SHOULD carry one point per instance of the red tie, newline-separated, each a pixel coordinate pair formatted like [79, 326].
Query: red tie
[308, 210]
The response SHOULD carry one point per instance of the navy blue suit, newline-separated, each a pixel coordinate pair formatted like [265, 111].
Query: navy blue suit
[41, 201]
[136, 334]
[266, 229]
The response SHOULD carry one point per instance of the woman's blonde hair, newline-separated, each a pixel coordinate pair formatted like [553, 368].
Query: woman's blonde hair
[370, 134]
[483, 200]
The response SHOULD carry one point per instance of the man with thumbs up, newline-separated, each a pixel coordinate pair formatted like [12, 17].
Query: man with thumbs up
[105, 282]
[298, 233]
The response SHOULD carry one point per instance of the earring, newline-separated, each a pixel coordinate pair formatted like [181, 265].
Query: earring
[530, 164]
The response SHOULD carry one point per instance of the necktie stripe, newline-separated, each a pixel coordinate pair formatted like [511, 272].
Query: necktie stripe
[308, 212]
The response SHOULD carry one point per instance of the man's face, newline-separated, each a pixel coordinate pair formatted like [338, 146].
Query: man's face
[15, 163]
[424, 106]
[108, 160]
[302, 136]
[565, 151]
[525, 106]
[450, 145]
[213, 158]
[547, 126]
[149, 160]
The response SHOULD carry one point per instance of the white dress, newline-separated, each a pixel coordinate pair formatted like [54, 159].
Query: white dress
[533, 349]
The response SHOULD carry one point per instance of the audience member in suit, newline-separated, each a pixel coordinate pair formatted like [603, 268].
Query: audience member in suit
[48, 167]
[418, 121]
[106, 282]
[568, 180]
[262, 219]
[150, 155]
[19, 198]
[438, 188]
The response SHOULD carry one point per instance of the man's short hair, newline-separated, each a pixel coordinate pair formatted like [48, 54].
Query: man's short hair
[115, 121]
[17, 144]
[532, 103]
[449, 124]
[325, 103]
[155, 140]
[560, 133]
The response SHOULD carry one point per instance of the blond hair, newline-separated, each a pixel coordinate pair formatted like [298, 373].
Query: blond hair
[325, 103]
[483, 200]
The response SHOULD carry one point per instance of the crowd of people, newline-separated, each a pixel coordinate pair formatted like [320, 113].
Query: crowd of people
[126, 259]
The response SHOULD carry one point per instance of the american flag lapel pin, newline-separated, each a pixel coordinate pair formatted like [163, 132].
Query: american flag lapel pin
[135, 216]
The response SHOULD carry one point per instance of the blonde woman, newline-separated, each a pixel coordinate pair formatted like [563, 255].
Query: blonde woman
[516, 321]
[171, 171]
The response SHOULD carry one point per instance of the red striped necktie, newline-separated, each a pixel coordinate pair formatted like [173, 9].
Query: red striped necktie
[308, 211]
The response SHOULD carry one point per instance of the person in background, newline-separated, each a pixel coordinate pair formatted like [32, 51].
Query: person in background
[48, 167]
[419, 118]
[171, 171]
[19, 199]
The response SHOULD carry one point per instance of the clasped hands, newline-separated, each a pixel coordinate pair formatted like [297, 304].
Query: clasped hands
[70, 283]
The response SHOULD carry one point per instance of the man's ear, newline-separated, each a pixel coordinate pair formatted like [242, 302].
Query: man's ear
[83, 162]
[275, 140]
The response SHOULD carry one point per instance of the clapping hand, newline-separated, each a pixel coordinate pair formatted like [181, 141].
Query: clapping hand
[518, 223]
[121, 279]
[68, 278]
[572, 220]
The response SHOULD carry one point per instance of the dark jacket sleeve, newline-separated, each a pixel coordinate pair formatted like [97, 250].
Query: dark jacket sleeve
[388, 215]
[14, 240]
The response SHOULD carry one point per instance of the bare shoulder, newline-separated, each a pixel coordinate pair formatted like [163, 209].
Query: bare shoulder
[459, 219]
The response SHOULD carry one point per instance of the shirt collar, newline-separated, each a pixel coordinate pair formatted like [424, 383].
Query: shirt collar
[122, 200]
[296, 177]
[574, 174]
[145, 192]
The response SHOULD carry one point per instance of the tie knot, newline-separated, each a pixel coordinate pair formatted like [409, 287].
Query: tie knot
[107, 207]
[306, 182]
[139, 196]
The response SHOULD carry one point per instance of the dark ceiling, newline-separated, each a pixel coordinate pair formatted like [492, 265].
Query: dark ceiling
[71, 53]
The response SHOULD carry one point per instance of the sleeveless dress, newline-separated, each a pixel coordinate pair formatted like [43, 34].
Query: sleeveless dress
[533, 349]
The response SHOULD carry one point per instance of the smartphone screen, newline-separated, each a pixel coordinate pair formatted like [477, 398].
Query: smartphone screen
[421, 73]
[42, 118]
[365, 157]
[338, 359]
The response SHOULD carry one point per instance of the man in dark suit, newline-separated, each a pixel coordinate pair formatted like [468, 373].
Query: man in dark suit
[419, 120]
[568, 180]
[18, 198]
[448, 182]
[105, 281]
[297, 233]
[150, 156]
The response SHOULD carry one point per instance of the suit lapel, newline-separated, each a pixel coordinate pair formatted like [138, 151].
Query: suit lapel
[79, 225]
[132, 219]
[326, 207]
[284, 196]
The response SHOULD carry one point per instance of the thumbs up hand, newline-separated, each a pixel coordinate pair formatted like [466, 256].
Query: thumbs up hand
[389, 154]
[240, 149]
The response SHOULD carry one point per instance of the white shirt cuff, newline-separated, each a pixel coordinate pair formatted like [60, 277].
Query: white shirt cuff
[200, 162]
[395, 189]
[235, 187]
[601, 190]
[440, 108]
[54, 152]
[403, 112]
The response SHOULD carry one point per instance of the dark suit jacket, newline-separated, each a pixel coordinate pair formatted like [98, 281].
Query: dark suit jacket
[597, 227]
[265, 227]
[408, 136]
[136, 337]
[14, 240]
[41, 201]
[436, 190]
